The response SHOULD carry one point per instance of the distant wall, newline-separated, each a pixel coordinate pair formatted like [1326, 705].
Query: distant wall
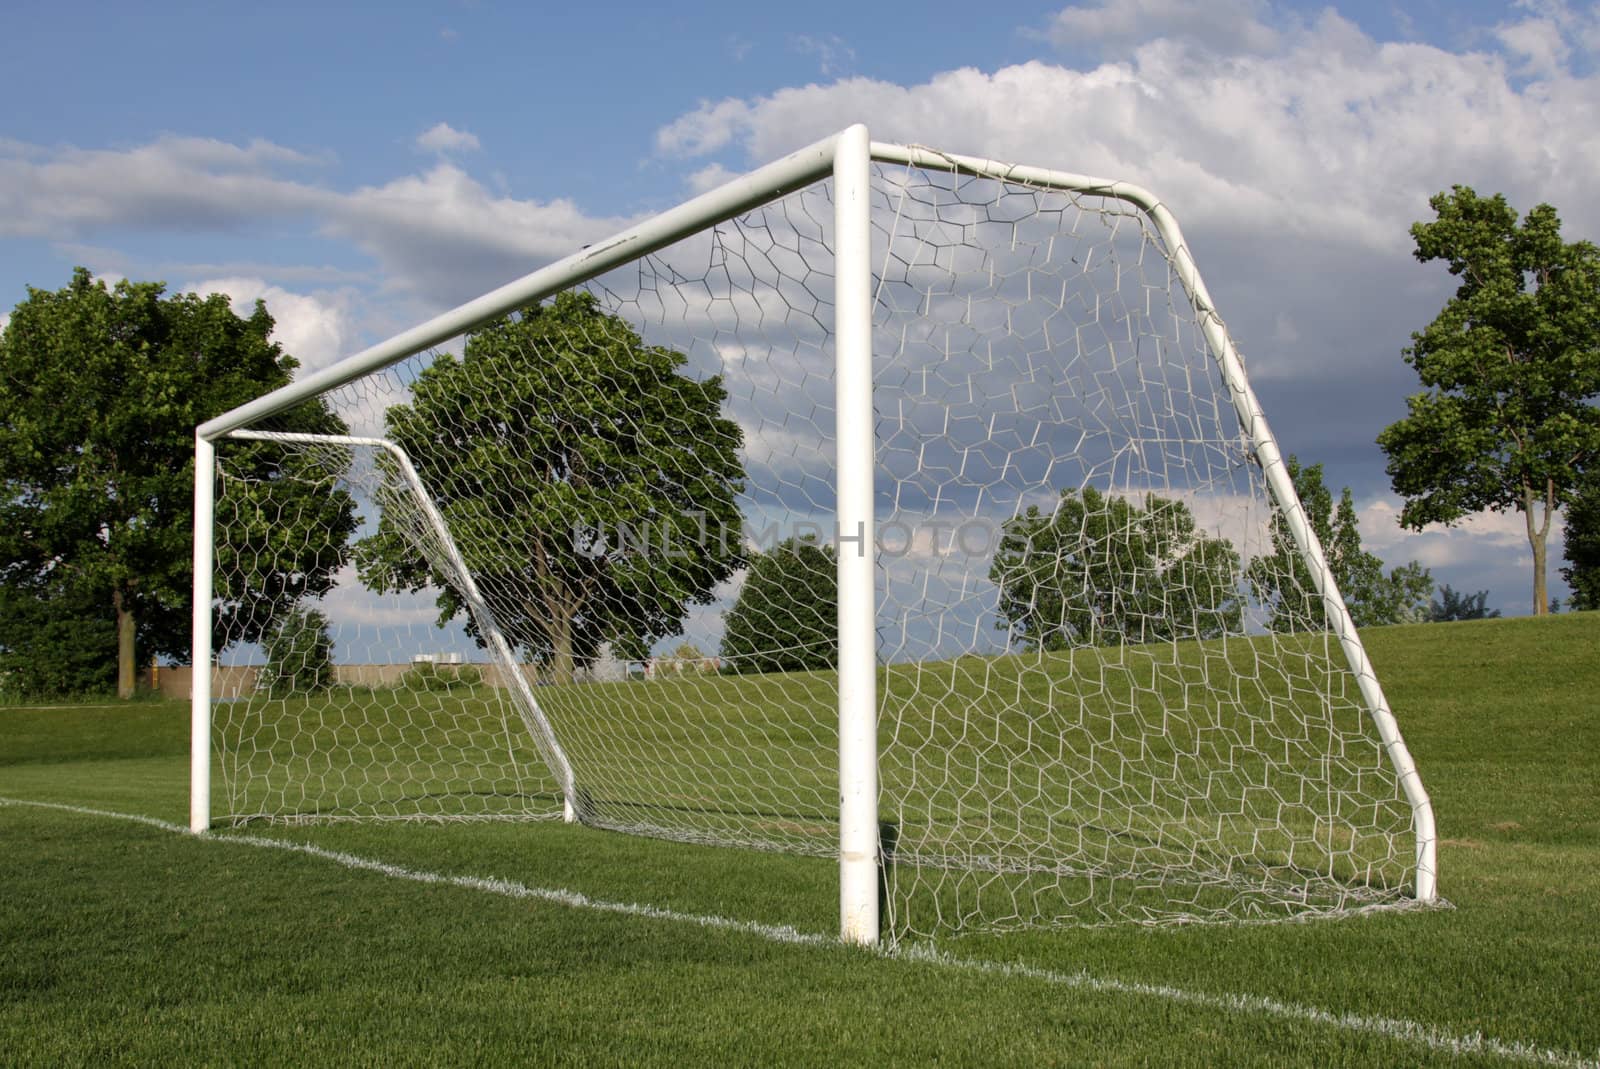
[236, 682]
[174, 682]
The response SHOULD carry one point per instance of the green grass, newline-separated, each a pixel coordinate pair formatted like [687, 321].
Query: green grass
[121, 943]
[1236, 778]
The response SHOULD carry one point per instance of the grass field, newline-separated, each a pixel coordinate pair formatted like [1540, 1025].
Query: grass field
[1236, 778]
[126, 941]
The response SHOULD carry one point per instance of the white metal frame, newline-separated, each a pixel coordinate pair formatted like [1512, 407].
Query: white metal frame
[847, 156]
[533, 717]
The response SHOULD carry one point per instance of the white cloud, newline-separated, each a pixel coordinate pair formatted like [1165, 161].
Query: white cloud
[1488, 550]
[706, 129]
[1547, 37]
[1437, 545]
[174, 185]
[445, 237]
[1330, 135]
[314, 329]
[5, 321]
[1296, 170]
[444, 138]
[1538, 41]
[1227, 25]
[438, 237]
[709, 177]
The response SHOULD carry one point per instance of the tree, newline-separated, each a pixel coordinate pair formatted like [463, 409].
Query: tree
[100, 392]
[1582, 572]
[1451, 605]
[1282, 580]
[687, 657]
[582, 474]
[299, 654]
[1509, 366]
[786, 618]
[1103, 570]
[55, 641]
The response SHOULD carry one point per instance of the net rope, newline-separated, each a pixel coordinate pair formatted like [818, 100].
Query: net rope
[1104, 696]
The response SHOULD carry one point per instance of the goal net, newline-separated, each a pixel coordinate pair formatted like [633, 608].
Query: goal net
[583, 550]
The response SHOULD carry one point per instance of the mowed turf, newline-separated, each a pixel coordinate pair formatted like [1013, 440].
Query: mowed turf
[1234, 779]
[127, 943]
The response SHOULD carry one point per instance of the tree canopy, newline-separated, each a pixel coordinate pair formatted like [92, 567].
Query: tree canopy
[299, 650]
[1582, 552]
[100, 391]
[1282, 581]
[786, 618]
[1509, 368]
[589, 484]
[1458, 605]
[1101, 570]
[55, 641]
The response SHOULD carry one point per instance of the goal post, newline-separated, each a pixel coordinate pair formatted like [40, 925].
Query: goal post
[1059, 671]
[855, 536]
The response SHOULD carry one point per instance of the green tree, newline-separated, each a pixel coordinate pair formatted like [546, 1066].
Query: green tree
[1103, 570]
[584, 476]
[1508, 367]
[1582, 552]
[55, 641]
[100, 392]
[1451, 605]
[299, 652]
[786, 618]
[1282, 580]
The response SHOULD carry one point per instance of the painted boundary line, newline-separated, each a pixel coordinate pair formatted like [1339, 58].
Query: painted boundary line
[1412, 1032]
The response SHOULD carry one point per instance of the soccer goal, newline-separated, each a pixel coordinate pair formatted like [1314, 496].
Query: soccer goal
[883, 505]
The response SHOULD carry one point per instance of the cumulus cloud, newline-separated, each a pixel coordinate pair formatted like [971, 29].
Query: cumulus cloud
[1548, 34]
[1296, 166]
[1332, 135]
[5, 321]
[437, 237]
[1297, 151]
[316, 329]
[709, 177]
[173, 184]
[708, 128]
[444, 138]
[444, 234]
[1485, 551]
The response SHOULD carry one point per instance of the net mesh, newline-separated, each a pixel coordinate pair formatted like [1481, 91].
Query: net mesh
[594, 548]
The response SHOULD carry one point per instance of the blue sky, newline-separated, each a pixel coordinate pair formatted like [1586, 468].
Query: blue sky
[364, 167]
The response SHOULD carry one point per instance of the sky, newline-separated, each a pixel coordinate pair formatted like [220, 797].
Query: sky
[363, 168]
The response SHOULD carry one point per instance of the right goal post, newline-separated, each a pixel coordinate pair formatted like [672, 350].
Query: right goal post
[887, 506]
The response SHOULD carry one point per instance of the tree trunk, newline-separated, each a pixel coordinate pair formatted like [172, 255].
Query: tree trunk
[127, 679]
[562, 665]
[1537, 537]
[1541, 599]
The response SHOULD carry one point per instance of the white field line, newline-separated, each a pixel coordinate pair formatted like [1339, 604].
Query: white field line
[1412, 1032]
